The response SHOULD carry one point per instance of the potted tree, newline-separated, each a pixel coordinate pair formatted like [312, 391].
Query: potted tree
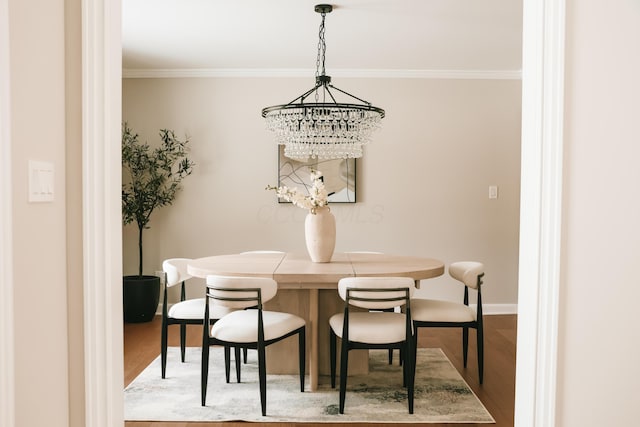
[151, 179]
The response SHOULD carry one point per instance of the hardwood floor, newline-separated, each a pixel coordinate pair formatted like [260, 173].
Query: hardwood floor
[142, 345]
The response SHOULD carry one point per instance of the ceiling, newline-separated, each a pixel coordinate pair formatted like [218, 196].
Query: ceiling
[384, 36]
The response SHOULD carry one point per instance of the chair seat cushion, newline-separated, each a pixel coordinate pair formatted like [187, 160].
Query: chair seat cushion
[372, 328]
[429, 310]
[242, 326]
[194, 309]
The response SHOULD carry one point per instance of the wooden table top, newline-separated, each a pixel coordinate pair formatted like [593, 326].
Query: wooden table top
[296, 270]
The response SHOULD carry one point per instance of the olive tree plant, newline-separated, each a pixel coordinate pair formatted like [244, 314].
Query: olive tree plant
[151, 177]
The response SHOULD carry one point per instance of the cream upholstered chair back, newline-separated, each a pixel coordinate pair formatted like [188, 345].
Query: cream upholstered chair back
[175, 270]
[468, 272]
[376, 293]
[240, 292]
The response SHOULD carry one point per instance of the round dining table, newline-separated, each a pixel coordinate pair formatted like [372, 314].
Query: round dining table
[309, 289]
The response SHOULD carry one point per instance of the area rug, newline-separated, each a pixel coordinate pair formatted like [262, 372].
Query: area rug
[441, 395]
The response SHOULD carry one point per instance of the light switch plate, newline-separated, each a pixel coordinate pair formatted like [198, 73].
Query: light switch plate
[493, 191]
[41, 179]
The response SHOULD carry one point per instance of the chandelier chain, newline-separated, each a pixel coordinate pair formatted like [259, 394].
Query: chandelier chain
[322, 49]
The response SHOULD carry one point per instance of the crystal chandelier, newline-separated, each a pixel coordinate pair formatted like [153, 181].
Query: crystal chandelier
[325, 128]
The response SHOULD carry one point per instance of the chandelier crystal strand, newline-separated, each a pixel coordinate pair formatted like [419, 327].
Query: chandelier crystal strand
[323, 130]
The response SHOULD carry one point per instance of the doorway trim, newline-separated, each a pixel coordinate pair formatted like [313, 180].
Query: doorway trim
[540, 221]
[101, 212]
[7, 343]
[540, 211]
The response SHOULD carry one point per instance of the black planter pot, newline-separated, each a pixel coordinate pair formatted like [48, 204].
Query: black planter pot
[140, 296]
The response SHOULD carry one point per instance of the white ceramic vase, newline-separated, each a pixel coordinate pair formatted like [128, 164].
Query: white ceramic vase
[320, 234]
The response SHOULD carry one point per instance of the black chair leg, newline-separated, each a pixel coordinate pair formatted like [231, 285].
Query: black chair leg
[163, 347]
[237, 357]
[411, 372]
[332, 356]
[411, 354]
[344, 361]
[408, 351]
[262, 373]
[405, 372]
[204, 373]
[245, 351]
[227, 362]
[302, 355]
[465, 345]
[183, 340]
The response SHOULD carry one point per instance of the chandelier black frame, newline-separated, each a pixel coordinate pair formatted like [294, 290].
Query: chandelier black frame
[323, 129]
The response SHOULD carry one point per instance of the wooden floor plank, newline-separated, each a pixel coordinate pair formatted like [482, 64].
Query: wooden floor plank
[142, 346]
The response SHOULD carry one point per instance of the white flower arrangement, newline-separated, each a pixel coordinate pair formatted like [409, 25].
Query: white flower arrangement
[317, 197]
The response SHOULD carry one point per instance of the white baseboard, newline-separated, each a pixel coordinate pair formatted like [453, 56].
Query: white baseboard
[494, 309]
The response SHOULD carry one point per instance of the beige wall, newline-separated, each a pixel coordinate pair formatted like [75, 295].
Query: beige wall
[422, 184]
[598, 354]
[37, 61]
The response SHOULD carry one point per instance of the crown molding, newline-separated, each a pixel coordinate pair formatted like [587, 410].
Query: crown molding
[132, 73]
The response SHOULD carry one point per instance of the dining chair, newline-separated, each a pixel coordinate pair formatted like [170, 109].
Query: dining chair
[265, 251]
[431, 313]
[389, 309]
[253, 329]
[374, 328]
[183, 313]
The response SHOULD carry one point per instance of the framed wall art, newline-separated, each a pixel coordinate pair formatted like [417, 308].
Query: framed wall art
[339, 176]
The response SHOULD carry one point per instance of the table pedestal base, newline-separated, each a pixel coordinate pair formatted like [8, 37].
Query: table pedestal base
[315, 306]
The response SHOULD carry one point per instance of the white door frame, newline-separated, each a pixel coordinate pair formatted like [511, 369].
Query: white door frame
[540, 211]
[7, 345]
[101, 211]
